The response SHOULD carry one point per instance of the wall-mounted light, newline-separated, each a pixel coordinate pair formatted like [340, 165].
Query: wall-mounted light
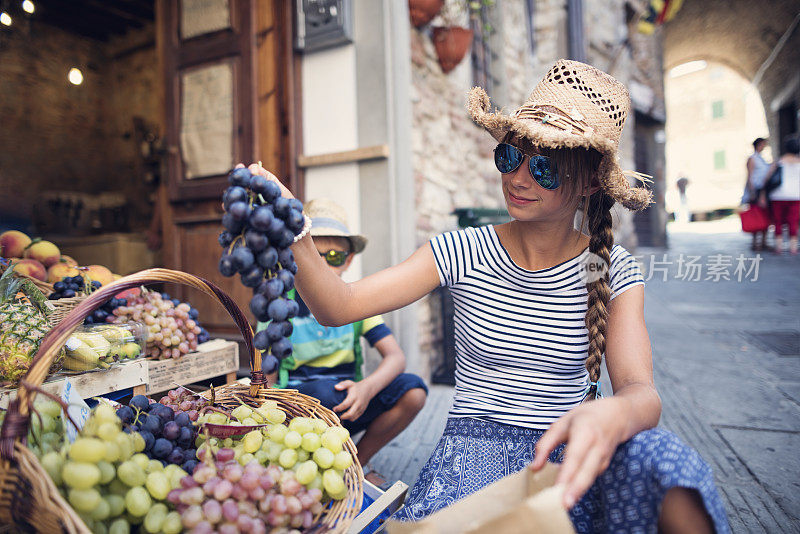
[75, 76]
[28, 7]
[5, 19]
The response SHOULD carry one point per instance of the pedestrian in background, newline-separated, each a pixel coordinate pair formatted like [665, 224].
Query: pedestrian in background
[785, 197]
[757, 171]
[683, 212]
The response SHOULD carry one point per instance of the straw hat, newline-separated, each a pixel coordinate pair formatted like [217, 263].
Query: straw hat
[329, 219]
[575, 105]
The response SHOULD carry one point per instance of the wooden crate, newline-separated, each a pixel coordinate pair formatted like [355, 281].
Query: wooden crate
[122, 253]
[214, 358]
[132, 374]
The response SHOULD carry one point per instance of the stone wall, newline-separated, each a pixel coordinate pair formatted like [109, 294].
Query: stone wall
[58, 136]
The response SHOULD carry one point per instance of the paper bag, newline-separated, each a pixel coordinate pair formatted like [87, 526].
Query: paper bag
[525, 502]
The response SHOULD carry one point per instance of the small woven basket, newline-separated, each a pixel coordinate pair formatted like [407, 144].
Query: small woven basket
[45, 287]
[63, 307]
[31, 502]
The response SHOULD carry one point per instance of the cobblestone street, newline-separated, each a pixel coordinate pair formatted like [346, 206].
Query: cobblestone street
[726, 366]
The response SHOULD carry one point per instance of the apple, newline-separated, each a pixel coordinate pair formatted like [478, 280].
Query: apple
[31, 269]
[99, 273]
[59, 270]
[44, 252]
[13, 244]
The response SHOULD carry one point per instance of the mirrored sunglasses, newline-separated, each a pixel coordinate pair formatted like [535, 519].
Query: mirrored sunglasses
[335, 258]
[508, 158]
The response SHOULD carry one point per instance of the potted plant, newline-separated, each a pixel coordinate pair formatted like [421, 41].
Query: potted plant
[423, 11]
[451, 40]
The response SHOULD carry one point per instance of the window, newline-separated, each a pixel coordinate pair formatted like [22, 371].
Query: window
[719, 160]
[717, 109]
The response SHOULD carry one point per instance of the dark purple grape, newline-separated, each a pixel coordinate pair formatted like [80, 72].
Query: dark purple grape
[287, 328]
[194, 314]
[281, 348]
[232, 225]
[277, 310]
[287, 278]
[274, 331]
[176, 456]
[255, 240]
[182, 418]
[285, 238]
[294, 308]
[226, 267]
[259, 305]
[139, 402]
[234, 194]
[285, 257]
[162, 448]
[242, 259]
[296, 204]
[59, 286]
[171, 430]
[189, 466]
[281, 207]
[225, 239]
[269, 363]
[152, 424]
[271, 191]
[89, 320]
[253, 276]
[240, 211]
[268, 258]
[125, 414]
[261, 218]
[258, 184]
[241, 177]
[276, 228]
[292, 267]
[272, 288]
[261, 341]
[68, 293]
[149, 439]
[189, 454]
[295, 221]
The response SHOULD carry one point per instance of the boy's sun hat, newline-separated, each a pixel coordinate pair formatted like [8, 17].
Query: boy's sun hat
[329, 219]
[575, 105]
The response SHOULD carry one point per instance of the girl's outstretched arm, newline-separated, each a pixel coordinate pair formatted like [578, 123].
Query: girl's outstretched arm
[335, 302]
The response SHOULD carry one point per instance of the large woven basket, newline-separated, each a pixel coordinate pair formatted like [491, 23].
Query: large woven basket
[28, 498]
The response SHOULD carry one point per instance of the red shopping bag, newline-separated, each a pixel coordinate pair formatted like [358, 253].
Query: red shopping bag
[755, 219]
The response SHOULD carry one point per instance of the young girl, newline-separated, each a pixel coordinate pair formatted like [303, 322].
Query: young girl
[537, 305]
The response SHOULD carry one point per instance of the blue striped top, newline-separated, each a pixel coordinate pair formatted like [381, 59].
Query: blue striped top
[520, 338]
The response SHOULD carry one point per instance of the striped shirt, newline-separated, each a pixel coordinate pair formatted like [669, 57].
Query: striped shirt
[520, 338]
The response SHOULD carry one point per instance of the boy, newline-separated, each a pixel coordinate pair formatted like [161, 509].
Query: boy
[326, 362]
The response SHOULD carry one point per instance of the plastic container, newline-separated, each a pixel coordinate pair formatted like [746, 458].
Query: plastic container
[101, 346]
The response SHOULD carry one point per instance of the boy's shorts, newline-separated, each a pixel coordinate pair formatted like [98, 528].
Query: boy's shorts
[323, 389]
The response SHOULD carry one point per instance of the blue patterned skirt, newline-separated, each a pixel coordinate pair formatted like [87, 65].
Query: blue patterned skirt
[627, 497]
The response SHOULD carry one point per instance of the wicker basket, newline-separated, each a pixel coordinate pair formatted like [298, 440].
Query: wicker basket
[63, 307]
[28, 498]
[45, 287]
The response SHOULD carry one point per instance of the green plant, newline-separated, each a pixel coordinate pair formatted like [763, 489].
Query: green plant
[455, 10]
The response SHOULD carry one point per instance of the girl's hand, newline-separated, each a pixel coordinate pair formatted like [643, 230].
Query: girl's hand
[592, 432]
[255, 168]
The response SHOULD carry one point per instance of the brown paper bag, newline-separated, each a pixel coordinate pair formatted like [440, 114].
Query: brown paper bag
[525, 502]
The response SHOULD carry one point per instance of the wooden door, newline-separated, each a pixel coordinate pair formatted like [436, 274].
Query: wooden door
[229, 96]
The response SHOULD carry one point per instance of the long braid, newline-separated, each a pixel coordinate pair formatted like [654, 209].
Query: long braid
[601, 241]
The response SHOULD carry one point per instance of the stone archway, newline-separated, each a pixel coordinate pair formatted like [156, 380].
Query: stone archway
[760, 40]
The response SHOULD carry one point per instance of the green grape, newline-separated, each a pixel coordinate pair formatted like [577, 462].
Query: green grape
[172, 523]
[252, 441]
[49, 407]
[287, 458]
[316, 483]
[303, 455]
[217, 418]
[153, 466]
[292, 439]
[52, 438]
[262, 457]
[101, 511]
[199, 441]
[84, 500]
[134, 519]
[269, 405]
[273, 451]
[138, 442]
[53, 463]
[158, 485]
[242, 412]
[301, 425]
[306, 472]
[331, 441]
[175, 477]
[116, 504]
[104, 413]
[276, 416]
[119, 526]
[277, 433]
[141, 460]
[343, 460]
[138, 501]
[246, 458]
[80, 475]
[319, 425]
[131, 474]
[89, 450]
[261, 413]
[99, 528]
[249, 421]
[334, 484]
[324, 457]
[107, 431]
[123, 441]
[238, 451]
[112, 452]
[107, 472]
[311, 441]
[227, 443]
[342, 432]
[88, 521]
[117, 487]
[155, 518]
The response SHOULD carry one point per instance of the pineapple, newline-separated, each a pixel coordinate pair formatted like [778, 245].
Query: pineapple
[23, 324]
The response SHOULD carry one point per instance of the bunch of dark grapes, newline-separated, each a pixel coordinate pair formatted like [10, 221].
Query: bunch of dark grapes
[168, 436]
[72, 286]
[260, 225]
[225, 497]
[105, 313]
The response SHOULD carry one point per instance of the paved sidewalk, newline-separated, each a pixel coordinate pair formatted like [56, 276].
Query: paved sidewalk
[727, 365]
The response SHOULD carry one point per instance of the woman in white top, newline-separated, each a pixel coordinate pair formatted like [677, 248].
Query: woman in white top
[757, 171]
[785, 199]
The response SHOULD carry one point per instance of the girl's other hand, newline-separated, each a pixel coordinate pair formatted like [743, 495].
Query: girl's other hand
[255, 168]
[592, 432]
